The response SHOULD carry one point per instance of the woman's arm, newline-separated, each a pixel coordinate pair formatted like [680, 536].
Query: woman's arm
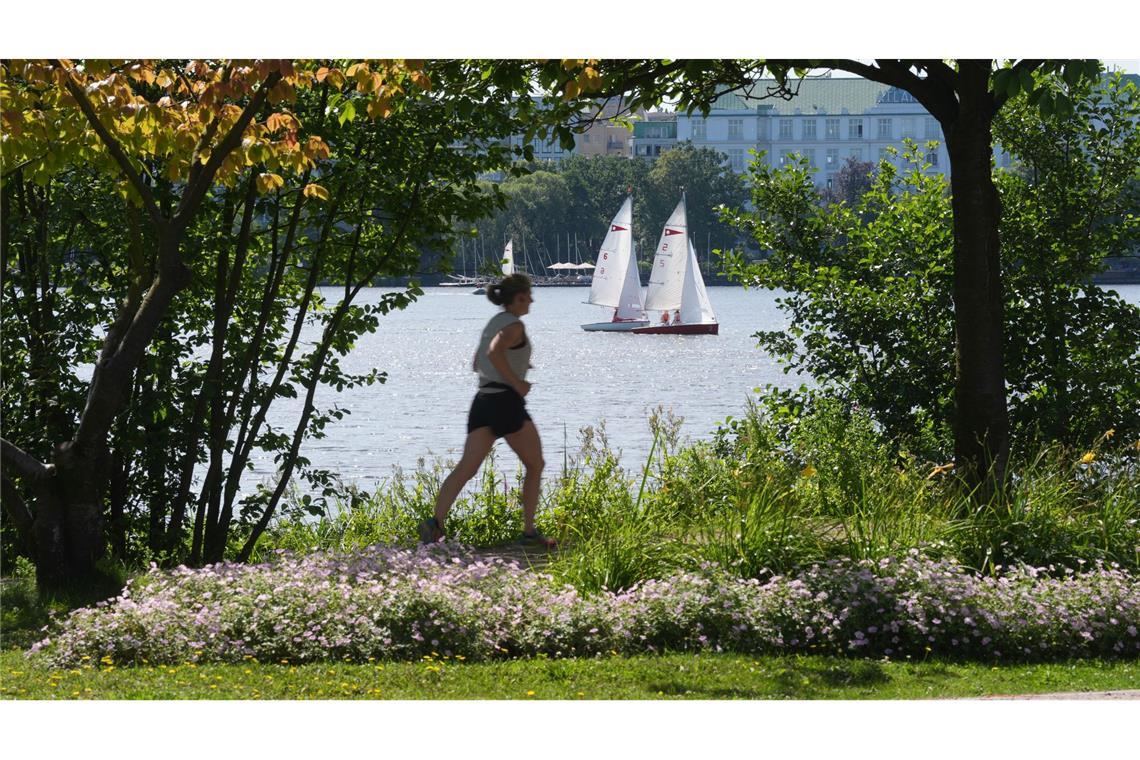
[497, 354]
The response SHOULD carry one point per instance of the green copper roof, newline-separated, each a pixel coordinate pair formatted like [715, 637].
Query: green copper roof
[830, 96]
[824, 95]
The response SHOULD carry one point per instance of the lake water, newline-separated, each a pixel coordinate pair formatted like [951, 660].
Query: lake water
[579, 379]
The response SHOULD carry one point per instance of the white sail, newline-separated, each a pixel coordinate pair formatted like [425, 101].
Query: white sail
[509, 258]
[695, 305]
[669, 264]
[608, 284]
[630, 305]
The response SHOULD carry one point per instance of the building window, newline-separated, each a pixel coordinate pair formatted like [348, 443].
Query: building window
[885, 129]
[809, 154]
[884, 155]
[832, 158]
[854, 129]
[932, 158]
[736, 159]
[698, 129]
[762, 129]
[908, 128]
[736, 129]
[857, 154]
[832, 127]
[830, 181]
[809, 129]
[788, 157]
[933, 132]
[785, 129]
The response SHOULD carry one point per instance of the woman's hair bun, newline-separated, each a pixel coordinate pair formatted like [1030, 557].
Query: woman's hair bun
[503, 292]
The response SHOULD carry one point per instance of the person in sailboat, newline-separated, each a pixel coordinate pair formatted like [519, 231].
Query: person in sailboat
[676, 316]
[499, 410]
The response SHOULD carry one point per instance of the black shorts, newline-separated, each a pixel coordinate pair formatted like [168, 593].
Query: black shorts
[502, 411]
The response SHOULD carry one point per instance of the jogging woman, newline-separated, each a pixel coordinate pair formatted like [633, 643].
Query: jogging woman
[499, 411]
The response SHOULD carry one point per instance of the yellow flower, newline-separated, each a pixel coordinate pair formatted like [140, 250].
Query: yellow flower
[940, 469]
[1109, 433]
[808, 471]
[1088, 457]
[530, 693]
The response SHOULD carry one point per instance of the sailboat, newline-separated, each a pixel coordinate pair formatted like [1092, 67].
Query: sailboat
[616, 283]
[509, 258]
[508, 266]
[676, 288]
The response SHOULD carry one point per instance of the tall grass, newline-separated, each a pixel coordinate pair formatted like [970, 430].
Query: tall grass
[766, 497]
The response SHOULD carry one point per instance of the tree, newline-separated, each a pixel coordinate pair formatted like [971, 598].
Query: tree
[867, 285]
[964, 96]
[708, 184]
[213, 164]
[852, 182]
[122, 118]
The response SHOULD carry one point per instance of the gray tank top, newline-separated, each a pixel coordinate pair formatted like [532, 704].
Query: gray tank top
[518, 358]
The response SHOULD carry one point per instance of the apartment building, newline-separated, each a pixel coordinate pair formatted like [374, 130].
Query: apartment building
[830, 120]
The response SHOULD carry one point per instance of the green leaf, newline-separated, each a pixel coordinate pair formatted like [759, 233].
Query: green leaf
[1005, 83]
[348, 113]
[1025, 80]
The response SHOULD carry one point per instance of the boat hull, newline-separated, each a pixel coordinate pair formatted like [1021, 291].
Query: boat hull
[614, 326]
[701, 329]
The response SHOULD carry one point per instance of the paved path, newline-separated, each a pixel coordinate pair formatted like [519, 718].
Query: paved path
[1129, 694]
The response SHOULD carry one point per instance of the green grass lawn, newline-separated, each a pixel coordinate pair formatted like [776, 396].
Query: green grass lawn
[674, 676]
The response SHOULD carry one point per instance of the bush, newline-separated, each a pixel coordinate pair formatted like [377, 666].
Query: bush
[389, 603]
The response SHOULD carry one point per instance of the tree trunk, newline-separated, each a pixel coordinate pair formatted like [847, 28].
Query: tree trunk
[981, 426]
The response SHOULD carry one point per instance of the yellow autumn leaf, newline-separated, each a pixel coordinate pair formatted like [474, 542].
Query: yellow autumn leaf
[808, 471]
[268, 181]
[379, 108]
[282, 121]
[571, 90]
[315, 147]
[316, 191]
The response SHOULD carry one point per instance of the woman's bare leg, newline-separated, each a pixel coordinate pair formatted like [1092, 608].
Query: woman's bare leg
[475, 449]
[528, 446]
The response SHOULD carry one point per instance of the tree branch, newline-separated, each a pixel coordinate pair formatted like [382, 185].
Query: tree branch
[21, 516]
[197, 189]
[940, 102]
[113, 147]
[22, 462]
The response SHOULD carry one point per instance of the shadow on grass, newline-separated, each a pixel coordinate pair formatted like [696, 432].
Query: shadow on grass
[24, 610]
[787, 678]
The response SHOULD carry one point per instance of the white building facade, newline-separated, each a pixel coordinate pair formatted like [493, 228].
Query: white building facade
[829, 121]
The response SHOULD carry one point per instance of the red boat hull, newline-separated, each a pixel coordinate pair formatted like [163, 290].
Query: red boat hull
[710, 329]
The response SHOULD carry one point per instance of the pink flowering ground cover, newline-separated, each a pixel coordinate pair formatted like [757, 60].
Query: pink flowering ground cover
[398, 604]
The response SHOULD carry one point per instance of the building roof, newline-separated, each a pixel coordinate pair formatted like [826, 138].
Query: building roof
[823, 95]
[830, 95]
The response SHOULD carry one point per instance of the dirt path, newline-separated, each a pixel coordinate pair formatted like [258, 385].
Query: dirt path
[1114, 695]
